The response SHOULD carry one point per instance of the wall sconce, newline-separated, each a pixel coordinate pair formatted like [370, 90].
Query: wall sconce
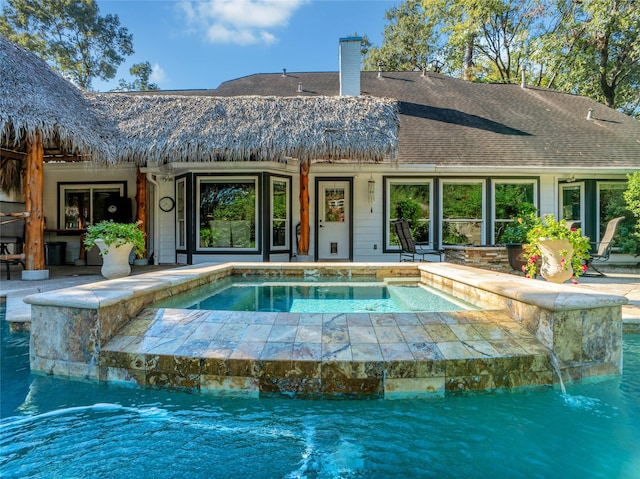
[372, 192]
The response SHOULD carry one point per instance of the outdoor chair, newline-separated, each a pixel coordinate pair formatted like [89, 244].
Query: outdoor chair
[604, 247]
[409, 249]
[12, 237]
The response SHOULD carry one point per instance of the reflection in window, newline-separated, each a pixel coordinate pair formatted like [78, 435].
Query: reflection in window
[508, 199]
[227, 214]
[279, 212]
[462, 206]
[571, 196]
[83, 204]
[411, 201]
[334, 204]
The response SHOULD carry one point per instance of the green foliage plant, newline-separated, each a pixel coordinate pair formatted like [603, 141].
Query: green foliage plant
[516, 232]
[116, 234]
[549, 228]
[632, 198]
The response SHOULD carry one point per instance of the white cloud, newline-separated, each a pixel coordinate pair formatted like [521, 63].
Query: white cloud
[242, 22]
[158, 75]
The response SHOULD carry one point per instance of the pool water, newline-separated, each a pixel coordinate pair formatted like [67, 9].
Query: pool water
[55, 428]
[243, 294]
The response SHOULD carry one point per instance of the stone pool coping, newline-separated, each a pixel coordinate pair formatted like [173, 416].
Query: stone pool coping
[582, 329]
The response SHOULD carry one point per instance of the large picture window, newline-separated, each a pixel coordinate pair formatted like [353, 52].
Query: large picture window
[411, 200]
[279, 214]
[227, 213]
[508, 198]
[86, 203]
[462, 207]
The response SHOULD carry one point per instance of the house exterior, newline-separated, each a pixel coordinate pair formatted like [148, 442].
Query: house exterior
[467, 155]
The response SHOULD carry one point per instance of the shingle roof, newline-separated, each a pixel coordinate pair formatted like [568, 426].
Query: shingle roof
[450, 122]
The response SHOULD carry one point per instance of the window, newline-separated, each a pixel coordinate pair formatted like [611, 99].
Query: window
[611, 204]
[85, 203]
[508, 195]
[279, 213]
[227, 213]
[462, 207]
[571, 201]
[181, 210]
[411, 200]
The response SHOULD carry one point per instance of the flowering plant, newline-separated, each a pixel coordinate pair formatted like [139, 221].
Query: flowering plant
[517, 230]
[117, 234]
[549, 228]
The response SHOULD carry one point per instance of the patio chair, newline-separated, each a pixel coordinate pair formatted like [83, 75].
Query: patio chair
[409, 249]
[604, 247]
[12, 234]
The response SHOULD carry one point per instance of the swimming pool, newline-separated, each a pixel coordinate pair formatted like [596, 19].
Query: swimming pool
[52, 427]
[250, 293]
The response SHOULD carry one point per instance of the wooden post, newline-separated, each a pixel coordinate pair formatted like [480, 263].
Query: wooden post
[303, 243]
[34, 201]
[141, 204]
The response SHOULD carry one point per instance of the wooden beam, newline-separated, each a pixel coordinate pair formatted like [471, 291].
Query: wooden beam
[303, 242]
[34, 204]
[141, 204]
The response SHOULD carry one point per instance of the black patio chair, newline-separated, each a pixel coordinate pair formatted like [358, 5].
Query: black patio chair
[409, 249]
[604, 247]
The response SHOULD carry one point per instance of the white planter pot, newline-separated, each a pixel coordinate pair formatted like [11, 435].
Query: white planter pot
[553, 268]
[115, 259]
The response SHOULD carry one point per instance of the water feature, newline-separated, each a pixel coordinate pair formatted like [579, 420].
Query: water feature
[312, 295]
[556, 368]
[53, 427]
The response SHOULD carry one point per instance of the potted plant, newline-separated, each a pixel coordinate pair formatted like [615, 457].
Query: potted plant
[558, 251]
[515, 234]
[115, 242]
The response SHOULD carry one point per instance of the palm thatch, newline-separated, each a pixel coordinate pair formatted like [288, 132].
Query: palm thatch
[34, 98]
[163, 129]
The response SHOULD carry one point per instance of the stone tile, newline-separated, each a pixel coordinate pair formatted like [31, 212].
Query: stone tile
[383, 319]
[193, 347]
[362, 334]
[220, 349]
[167, 346]
[291, 319]
[491, 331]
[466, 332]
[334, 320]
[231, 332]
[277, 351]
[415, 334]
[282, 333]
[366, 352]
[407, 388]
[217, 316]
[228, 385]
[206, 330]
[257, 332]
[309, 334]
[310, 319]
[395, 351]
[336, 352]
[440, 332]
[359, 319]
[119, 343]
[136, 327]
[425, 351]
[481, 349]
[507, 347]
[248, 350]
[357, 387]
[389, 334]
[429, 318]
[307, 351]
[407, 319]
[454, 350]
[335, 336]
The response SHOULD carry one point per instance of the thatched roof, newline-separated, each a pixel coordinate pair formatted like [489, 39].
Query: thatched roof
[33, 98]
[167, 129]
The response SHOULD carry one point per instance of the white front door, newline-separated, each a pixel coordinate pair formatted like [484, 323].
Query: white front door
[334, 220]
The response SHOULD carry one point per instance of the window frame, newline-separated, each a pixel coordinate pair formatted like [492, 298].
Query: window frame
[90, 186]
[181, 214]
[287, 219]
[388, 182]
[227, 179]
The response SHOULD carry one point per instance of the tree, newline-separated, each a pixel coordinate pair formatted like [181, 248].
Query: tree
[70, 35]
[595, 51]
[142, 72]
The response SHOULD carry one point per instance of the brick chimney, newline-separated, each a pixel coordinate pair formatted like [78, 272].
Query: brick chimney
[350, 66]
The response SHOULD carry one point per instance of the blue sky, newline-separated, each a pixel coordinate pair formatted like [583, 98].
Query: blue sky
[194, 45]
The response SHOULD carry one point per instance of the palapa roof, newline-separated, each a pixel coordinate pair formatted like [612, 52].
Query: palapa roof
[448, 122]
[172, 128]
[33, 98]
